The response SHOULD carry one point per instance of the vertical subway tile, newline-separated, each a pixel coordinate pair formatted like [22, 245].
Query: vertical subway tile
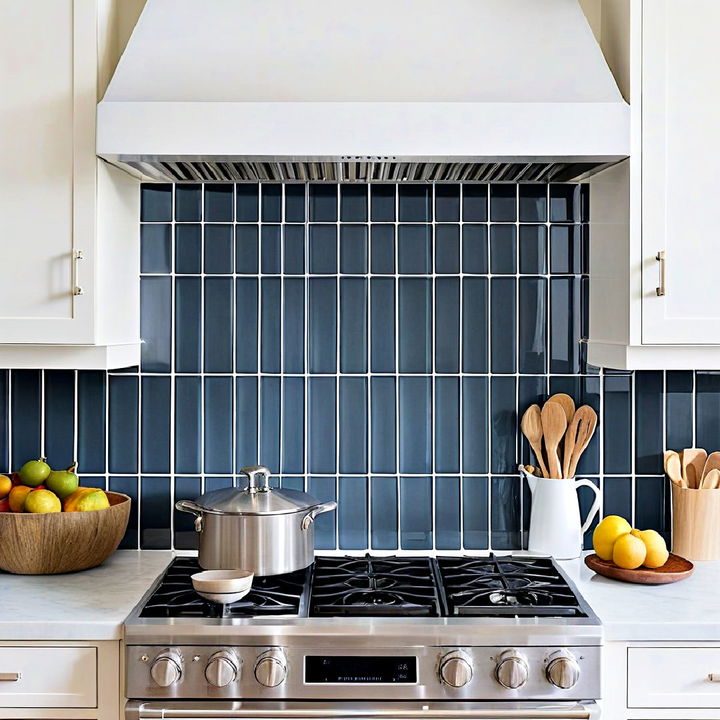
[270, 423]
[155, 315]
[474, 203]
[532, 390]
[617, 497]
[60, 418]
[293, 325]
[415, 423]
[217, 483]
[321, 424]
[155, 513]
[155, 248]
[323, 249]
[679, 409]
[447, 429]
[416, 531]
[246, 422]
[295, 203]
[218, 312]
[353, 425]
[648, 422]
[652, 504]
[188, 249]
[475, 425]
[414, 249]
[415, 320]
[447, 249]
[565, 249]
[565, 203]
[352, 513]
[323, 488]
[246, 325]
[322, 320]
[503, 327]
[91, 389]
[414, 203]
[247, 249]
[505, 512]
[447, 513]
[382, 249]
[188, 202]
[447, 325]
[185, 537]
[218, 425]
[123, 424]
[218, 202]
[503, 202]
[532, 202]
[382, 325]
[218, 250]
[617, 424]
[353, 325]
[293, 425]
[155, 425]
[246, 202]
[383, 420]
[294, 249]
[707, 421]
[188, 403]
[475, 249]
[354, 203]
[323, 202]
[590, 395]
[532, 329]
[475, 513]
[271, 202]
[128, 486]
[156, 202]
[382, 202]
[188, 323]
[270, 249]
[533, 249]
[565, 325]
[383, 513]
[447, 203]
[270, 320]
[503, 419]
[353, 249]
[503, 249]
[475, 325]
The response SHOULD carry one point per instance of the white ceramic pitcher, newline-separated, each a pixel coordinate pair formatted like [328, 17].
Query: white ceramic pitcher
[555, 525]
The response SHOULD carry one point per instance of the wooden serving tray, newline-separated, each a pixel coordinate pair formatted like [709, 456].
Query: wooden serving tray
[676, 568]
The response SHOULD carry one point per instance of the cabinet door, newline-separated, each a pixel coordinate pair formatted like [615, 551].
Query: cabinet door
[47, 170]
[680, 178]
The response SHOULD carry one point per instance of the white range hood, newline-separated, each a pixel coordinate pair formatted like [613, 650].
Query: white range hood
[363, 89]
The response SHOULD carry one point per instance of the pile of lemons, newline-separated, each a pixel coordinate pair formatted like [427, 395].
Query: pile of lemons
[616, 541]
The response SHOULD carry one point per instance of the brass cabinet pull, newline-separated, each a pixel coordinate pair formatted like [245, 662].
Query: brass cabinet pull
[10, 677]
[660, 257]
[714, 677]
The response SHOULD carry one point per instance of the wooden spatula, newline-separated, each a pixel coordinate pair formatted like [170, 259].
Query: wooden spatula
[554, 424]
[567, 403]
[693, 462]
[581, 431]
[712, 463]
[673, 468]
[711, 481]
[531, 426]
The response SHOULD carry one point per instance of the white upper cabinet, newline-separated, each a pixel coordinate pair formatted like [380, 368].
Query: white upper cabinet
[69, 250]
[654, 244]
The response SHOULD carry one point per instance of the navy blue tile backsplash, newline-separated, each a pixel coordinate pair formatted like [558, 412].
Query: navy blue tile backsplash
[371, 344]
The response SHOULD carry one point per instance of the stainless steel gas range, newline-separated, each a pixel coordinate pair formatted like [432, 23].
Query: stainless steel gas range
[369, 637]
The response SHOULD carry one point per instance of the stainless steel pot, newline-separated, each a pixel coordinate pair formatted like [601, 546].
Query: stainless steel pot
[268, 531]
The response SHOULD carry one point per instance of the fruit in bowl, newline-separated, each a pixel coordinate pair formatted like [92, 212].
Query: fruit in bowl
[616, 541]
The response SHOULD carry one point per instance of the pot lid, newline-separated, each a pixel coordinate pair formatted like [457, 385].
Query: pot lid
[256, 499]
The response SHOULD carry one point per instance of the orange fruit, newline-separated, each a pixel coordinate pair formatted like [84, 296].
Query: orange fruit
[5, 486]
[17, 498]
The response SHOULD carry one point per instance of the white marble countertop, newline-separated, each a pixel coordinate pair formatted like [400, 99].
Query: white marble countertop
[688, 610]
[89, 605]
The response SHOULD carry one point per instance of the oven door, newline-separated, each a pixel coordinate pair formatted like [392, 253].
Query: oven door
[390, 710]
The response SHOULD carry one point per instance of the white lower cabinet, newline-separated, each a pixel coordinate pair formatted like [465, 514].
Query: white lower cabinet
[62, 681]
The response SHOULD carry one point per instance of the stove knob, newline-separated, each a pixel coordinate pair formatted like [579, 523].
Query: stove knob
[456, 669]
[511, 670]
[166, 668]
[562, 670]
[222, 669]
[271, 668]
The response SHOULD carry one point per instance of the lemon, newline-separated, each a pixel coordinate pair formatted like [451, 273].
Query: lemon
[606, 533]
[42, 501]
[629, 552]
[95, 500]
[655, 547]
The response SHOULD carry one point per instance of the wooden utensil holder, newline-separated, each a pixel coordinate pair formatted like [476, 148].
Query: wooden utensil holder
[696, 523]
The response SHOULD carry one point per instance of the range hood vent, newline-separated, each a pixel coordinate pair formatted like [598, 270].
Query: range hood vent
[372, 91]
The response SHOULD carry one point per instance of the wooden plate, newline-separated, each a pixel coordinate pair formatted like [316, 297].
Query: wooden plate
[676, 568]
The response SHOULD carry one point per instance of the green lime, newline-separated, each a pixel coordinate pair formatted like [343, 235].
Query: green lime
[34, 472]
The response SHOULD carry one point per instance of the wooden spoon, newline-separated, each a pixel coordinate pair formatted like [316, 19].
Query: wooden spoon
[567, 403]
[712, 463]
[673, 468]
[712, 480]
[554, 424]
[693, 462]
[584, 424]
[531, 426]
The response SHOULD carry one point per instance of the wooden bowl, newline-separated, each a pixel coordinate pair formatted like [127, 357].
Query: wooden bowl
[676, 568]
[46, 544]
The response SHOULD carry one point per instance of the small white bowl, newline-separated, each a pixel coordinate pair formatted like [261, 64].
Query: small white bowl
[223, 586]
[223, 598]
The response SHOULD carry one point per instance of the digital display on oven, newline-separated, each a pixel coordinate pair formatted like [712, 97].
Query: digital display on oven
[360, 669]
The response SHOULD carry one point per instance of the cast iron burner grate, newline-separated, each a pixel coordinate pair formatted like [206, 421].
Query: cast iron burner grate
[501, 587]
[176, 598]
[372, 586]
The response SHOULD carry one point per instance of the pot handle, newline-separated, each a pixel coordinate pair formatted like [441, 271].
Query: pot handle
[315, 511]
[189, 506]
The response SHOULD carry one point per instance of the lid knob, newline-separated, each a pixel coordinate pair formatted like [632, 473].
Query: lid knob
[258, 478]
